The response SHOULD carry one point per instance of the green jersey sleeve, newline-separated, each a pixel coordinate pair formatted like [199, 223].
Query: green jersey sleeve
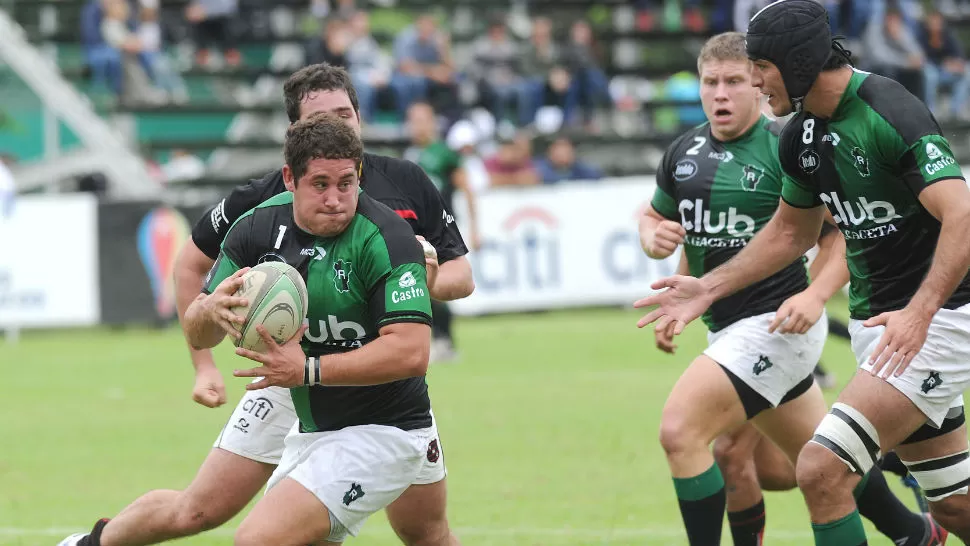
[663, 196]
[797, 186]
[929, 160]
[233, 255]
[393, 268]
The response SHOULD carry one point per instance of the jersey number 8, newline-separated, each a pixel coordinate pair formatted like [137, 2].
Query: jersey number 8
[808, 134]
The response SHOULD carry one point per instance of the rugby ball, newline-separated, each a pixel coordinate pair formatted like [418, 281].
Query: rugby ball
[277, 298]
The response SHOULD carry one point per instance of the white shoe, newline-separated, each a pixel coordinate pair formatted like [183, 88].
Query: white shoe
[442, 352]
[72, 540]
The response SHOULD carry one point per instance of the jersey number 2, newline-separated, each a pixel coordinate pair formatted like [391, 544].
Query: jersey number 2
[695, 149]
[808, 131]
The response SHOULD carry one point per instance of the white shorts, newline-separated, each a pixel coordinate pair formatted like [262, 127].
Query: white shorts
[258, 425]
[939, 373]
[771, 364]
[356, 471]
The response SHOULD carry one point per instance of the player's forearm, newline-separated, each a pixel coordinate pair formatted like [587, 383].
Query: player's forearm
[950, 263]
[648, 229]
[387, 358]
[834, 273]
[778, 244]
[200, 332]
[454, 280]
[190, 270]
[682, 267]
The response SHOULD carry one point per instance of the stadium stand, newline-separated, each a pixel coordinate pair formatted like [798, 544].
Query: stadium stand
[225, 116]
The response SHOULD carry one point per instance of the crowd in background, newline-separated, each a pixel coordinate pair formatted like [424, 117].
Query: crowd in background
[507, 84]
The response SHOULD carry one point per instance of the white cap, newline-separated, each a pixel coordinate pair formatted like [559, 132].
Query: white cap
[462, 133]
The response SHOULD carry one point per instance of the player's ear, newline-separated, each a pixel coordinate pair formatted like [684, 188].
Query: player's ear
[288, 179]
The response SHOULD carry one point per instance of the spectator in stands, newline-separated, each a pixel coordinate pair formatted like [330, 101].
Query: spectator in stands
[546, 80]
[154, 60]
[103, 59]
[465, 138]
[892, 50]
[849, 17]
[561, 165]
[422, 65]
[331, 46]
[690, 17]
[345, 9]
[946, 64]
[744, 10]
[589, 85]
[369, 66]
[512, 164]
[496, 71]
[116, 34]
[213, 21]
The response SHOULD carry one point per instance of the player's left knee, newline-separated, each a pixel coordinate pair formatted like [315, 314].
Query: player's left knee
[845, 442]
[946, 482]
[819, 473]
[735, 462]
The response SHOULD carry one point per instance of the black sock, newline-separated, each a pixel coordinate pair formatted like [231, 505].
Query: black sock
[702, 501]
[441, 325]
[838, 328]
[94, 538]
[748, 525]
[880, 506]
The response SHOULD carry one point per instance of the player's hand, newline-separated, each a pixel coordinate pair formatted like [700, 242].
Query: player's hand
[209, 389]
[665, 339]
[282, 365]
[903, 338]
[430, 261]
[798, 313]
[217, 305]
[666, 238]
[684, 300]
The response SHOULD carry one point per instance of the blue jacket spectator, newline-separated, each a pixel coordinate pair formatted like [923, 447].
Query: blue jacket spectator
[946, 64]
[561, 165]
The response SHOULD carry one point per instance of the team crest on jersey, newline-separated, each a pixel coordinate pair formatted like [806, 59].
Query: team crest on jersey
[750, 176]
[860, 161]
[407, 280]
[809, 161]
[341, 275]
[932, 152]
[762, 365]
[685, 169]
[931, 382]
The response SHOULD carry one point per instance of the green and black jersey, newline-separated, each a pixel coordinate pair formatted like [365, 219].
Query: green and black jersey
[868, 164]
[723, 193]
[369, 276]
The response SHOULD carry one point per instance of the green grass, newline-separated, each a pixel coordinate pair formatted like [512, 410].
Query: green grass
[549, 425]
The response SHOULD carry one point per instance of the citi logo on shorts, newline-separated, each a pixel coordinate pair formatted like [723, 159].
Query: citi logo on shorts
[737, 225]
[355, 492]
[258, 407]
[847, 213]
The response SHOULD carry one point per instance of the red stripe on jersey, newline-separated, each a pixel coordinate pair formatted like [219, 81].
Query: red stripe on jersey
[407, 214]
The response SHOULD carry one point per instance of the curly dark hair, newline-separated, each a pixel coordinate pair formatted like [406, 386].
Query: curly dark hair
[321, 136]
[315, 78]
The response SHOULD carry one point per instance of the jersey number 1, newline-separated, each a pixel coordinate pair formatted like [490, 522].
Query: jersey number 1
[808, 131]
[279, 240]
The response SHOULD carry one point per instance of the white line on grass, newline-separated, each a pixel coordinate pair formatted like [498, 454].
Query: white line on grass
[644, 532]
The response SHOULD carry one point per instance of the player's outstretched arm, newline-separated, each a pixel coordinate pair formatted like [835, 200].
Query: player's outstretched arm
[191, 266]
[787, 236]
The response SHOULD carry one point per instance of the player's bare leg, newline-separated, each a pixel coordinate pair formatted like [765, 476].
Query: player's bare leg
[775, 471]
[735, 456]
[208, 502]
[952, 512]
[826, 481]
[289, 515]
[419, 517]
[701, 406]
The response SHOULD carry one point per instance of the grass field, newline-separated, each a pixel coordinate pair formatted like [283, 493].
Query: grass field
[549, 427]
